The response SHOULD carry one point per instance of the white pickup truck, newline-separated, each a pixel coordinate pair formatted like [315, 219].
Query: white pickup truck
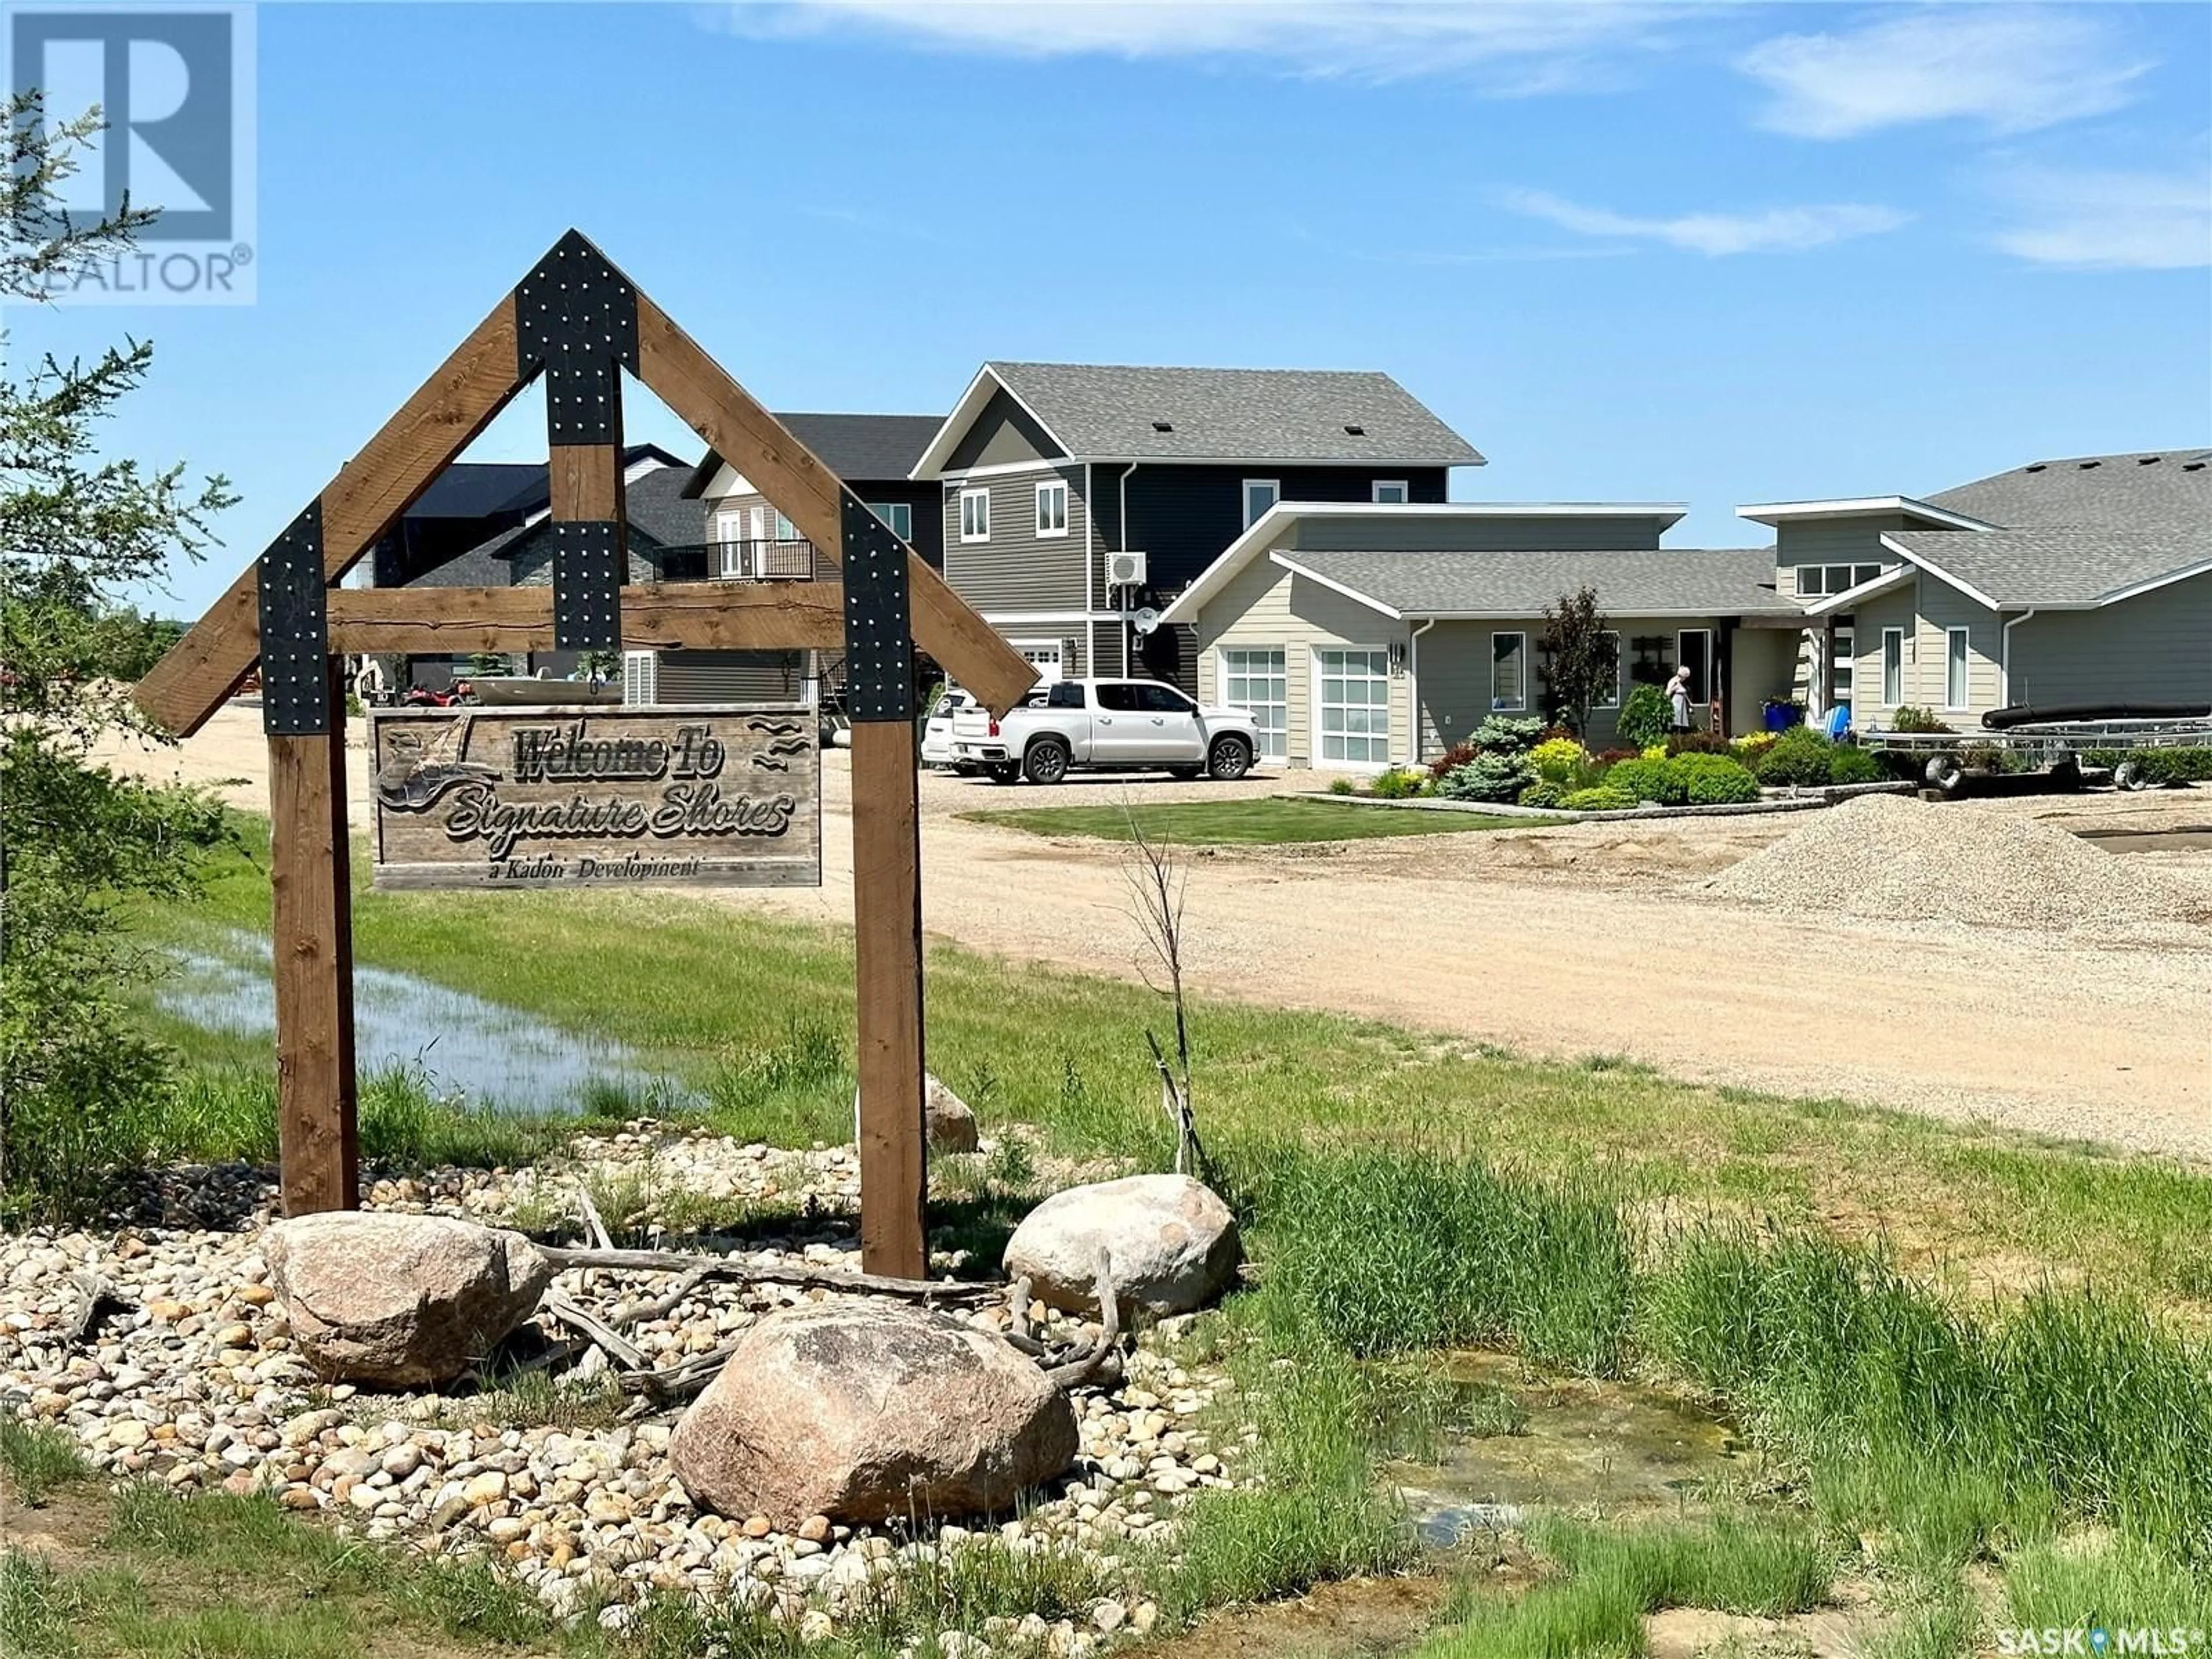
[1105, 725]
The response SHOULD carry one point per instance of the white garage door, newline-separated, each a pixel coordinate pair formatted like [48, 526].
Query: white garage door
[1256, 679]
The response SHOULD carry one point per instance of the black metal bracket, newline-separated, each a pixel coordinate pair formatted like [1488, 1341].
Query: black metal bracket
[575, 317]
[293, 602]
[588, 579]
[879, 638]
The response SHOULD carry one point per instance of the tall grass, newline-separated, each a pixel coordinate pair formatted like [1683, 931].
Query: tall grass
[1617, 1575]
[1385, 1251]
[2077, 1400]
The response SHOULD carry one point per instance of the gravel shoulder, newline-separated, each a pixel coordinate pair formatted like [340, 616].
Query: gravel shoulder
[1578, 939]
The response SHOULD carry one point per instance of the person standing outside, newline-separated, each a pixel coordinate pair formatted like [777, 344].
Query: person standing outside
[1678, 700]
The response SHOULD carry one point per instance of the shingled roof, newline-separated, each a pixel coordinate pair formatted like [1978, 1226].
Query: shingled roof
[2058, 568]
[858, 448]
[1732, 581]
[2141, 492]
[1116, 413]
[654, 506]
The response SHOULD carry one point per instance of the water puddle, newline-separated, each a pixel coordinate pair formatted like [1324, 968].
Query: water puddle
[495, 1056]
[1615, 1448]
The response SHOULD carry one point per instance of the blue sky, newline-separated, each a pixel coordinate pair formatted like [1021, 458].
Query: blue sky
[1712, 254]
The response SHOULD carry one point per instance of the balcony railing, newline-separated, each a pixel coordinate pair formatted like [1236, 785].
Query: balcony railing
[740, 562]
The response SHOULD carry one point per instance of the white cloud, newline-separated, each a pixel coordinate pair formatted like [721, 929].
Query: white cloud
[1778, 230]
[2014, 69]
[2105, 221]
[1522, 45]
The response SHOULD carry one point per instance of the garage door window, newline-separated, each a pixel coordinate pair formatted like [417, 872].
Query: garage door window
[1257, 681]
[1355, 707]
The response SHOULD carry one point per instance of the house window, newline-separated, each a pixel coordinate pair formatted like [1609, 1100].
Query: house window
[975, 515]
[784, 530]
[1892, 666]
[1609, 692]
[1818, 581]
[730, 537]
[641, 677]
[1954, 668]
[1258, 682]
[1052, 509]
[1260, 495]
[1355, 706]
[897, 517]
[1509, 670]
[1841, 665]
[1390, 492]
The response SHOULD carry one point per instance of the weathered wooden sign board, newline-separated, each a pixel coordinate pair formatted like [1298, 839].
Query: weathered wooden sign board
[564, 797]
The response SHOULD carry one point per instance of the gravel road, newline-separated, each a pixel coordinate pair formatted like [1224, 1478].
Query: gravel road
[1587, 939]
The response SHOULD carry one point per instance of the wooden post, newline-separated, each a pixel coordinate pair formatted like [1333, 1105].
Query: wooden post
[887, 949]
[311, 877]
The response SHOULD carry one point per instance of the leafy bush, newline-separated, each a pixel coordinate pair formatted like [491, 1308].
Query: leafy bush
[1714, 780]
[1396, 784]
[1507, 734]
[1850, 764]
[1607, 757]
[1645, 716]
[1799, 756]
[1488, 776]
[1649, 779]
[1450, 760]
[1543, 794]
[1911, 718]
[1558, 759]
[1339, 786]
[1603, 799]
[1696, 742]
[1753, 742]
[2165, 767]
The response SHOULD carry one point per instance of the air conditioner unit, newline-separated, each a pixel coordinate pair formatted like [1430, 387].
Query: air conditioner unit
[1125, 570]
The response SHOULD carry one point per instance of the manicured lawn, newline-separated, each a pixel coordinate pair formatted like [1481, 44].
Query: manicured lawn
[1245, 822]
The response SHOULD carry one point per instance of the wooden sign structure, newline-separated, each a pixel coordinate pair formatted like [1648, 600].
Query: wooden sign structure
[567, 797]
[578, 321]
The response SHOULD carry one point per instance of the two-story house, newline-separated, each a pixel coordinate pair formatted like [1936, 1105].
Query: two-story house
[1077, 500]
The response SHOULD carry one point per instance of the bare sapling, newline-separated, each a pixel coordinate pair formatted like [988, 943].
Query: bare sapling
[1158, 883]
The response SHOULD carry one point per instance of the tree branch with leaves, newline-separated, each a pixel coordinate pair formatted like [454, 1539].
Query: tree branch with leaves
[1583, 656]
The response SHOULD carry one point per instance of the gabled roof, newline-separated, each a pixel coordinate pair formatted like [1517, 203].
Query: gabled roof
[1271, 525]
[2055, 569]
[2143, 492]
[858, 448]
[1670, 581]
[1290, 417]
[480, 489]
[654, 504]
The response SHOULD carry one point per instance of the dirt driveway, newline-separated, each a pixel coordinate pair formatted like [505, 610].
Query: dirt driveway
[1574, 940]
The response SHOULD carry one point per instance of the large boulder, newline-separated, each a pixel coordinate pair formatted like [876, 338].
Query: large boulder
[952, 1122]
[948, 1121]
[401, 1301]
[870, 1412]
[1171, 1242]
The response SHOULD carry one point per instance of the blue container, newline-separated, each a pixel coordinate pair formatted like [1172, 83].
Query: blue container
[1781, 716]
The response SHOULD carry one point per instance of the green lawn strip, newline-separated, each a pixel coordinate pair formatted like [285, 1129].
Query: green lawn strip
[1271, 822]
[757, 1016]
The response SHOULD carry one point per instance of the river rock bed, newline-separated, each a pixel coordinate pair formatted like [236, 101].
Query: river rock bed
[191, 1377]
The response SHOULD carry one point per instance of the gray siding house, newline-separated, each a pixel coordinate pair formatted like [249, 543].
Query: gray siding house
[1077, 501]
[1362, 636]
[2081, 583]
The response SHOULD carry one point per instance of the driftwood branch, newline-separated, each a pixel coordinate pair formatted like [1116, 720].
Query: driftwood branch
[1083, 1364]
[564, 1257]
[595, 1227]
[618, 1347]
[94, 1292]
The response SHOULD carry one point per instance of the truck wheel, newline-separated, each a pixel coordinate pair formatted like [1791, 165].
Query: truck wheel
[1046, 762]
[1230, 759]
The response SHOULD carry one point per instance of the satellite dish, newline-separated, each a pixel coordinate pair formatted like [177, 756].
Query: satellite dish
[1146, 620]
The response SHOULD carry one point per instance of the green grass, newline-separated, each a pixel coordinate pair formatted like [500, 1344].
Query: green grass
[1269, 823]
[38, 1459]
[755, 1016]
[1614, 1576]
